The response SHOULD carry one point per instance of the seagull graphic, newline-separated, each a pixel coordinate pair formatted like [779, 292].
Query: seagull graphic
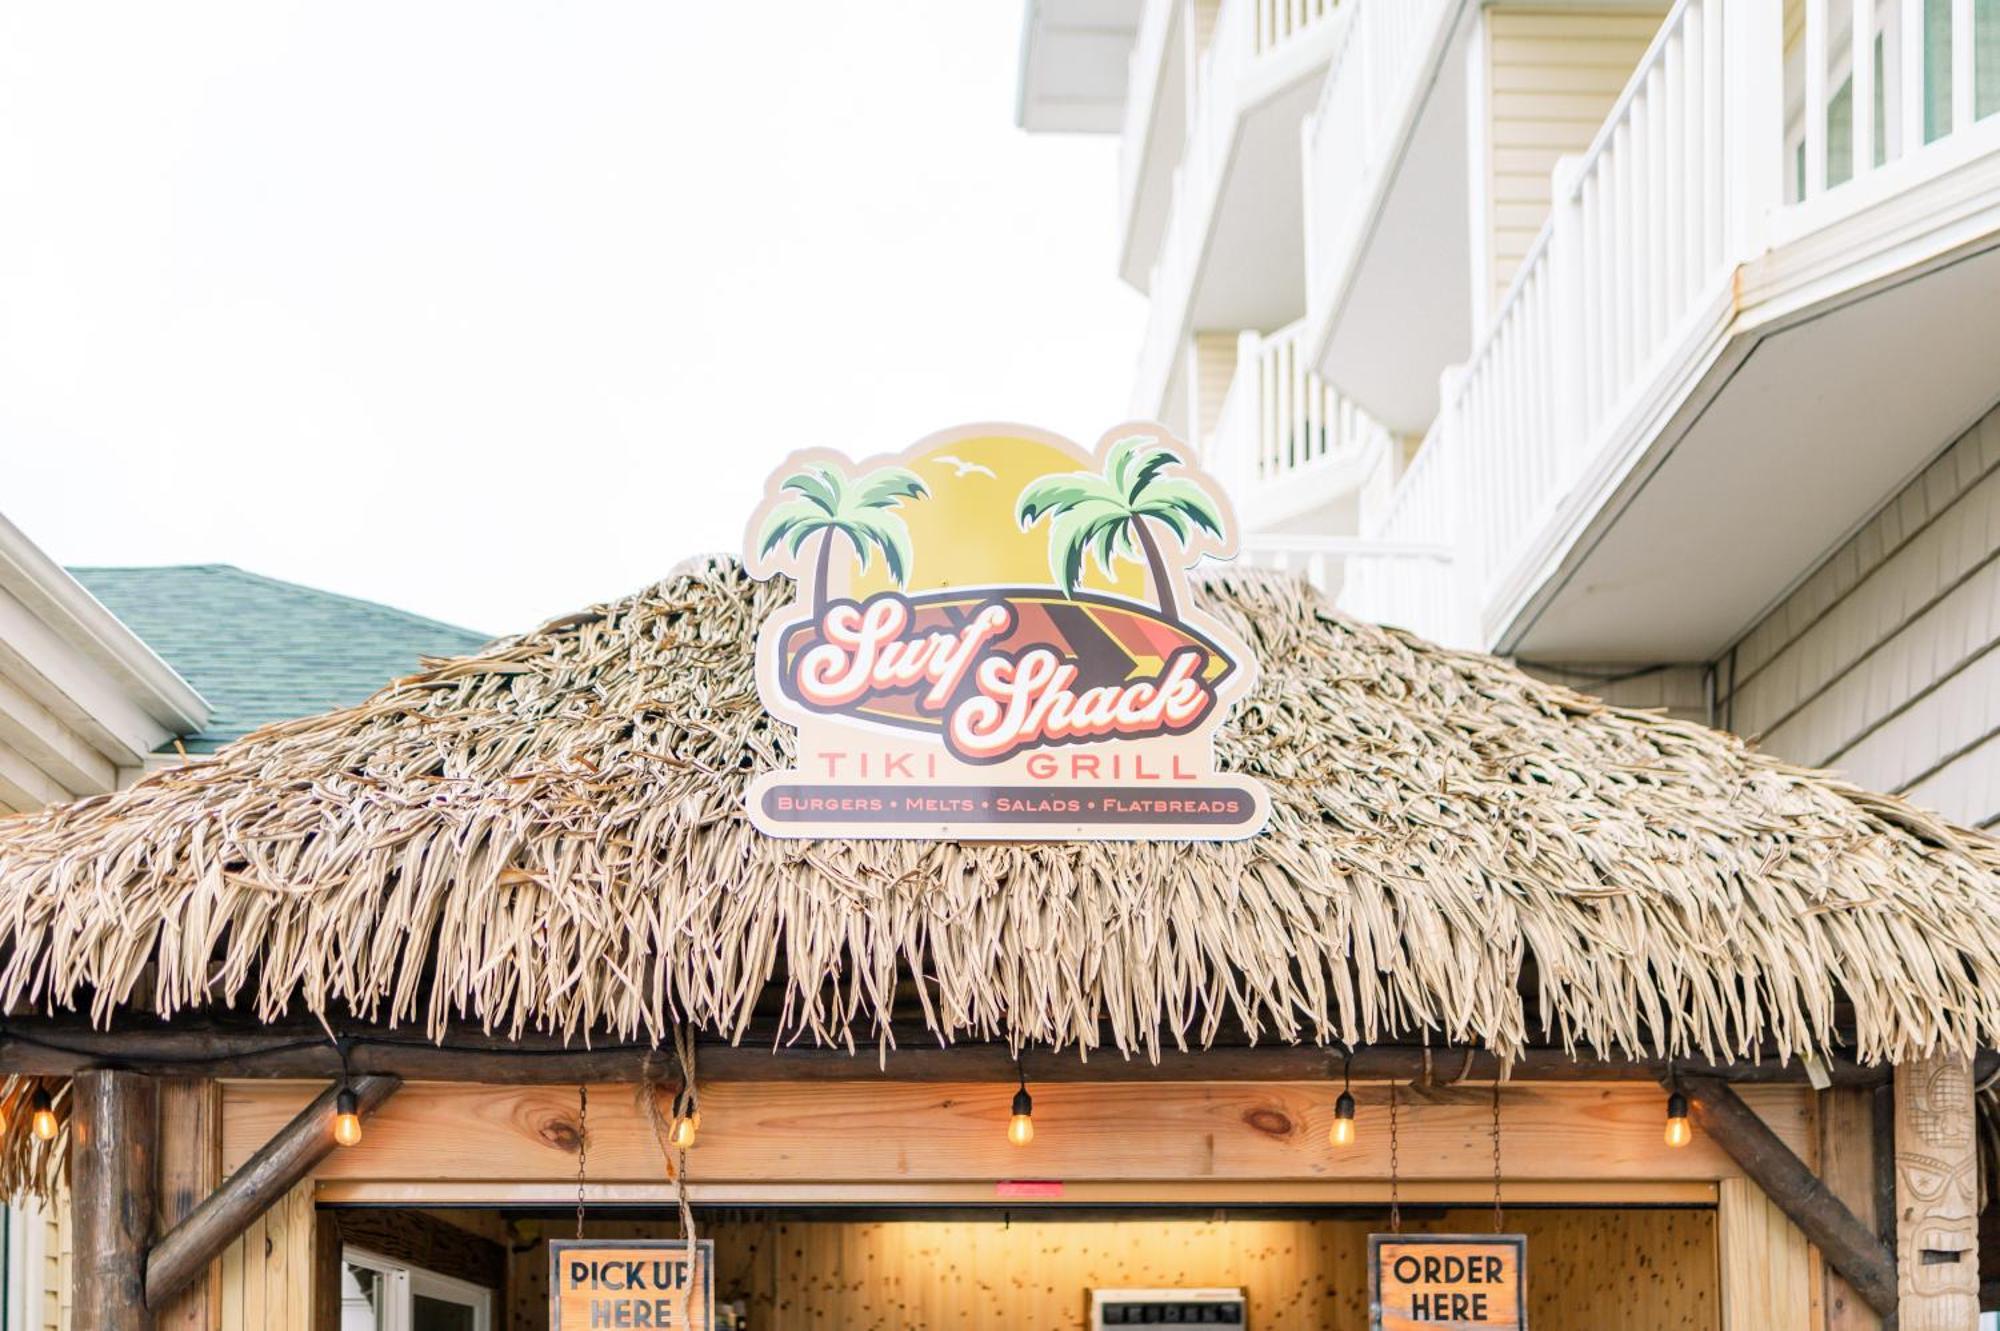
[964, 468]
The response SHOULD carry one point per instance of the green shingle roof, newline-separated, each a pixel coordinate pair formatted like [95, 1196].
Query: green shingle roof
[262, 650]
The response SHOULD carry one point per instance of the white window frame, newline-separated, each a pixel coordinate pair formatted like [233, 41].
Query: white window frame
[406, 1283]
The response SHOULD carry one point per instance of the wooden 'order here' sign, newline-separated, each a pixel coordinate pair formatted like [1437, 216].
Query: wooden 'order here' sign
[1459, 1281]
[619, 1284]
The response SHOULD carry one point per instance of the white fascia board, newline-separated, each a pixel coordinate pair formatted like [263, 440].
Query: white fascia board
[61, 647]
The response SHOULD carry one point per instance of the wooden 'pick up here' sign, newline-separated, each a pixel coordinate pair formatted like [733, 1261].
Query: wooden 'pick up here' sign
[1454, 1282]
[627, 1284]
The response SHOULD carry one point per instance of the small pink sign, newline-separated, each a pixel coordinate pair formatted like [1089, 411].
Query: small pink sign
[1043, 1189]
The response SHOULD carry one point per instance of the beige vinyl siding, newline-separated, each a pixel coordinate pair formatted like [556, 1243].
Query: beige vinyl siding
[55, 1273]
[38, 1257]
[1882, 664]
[1205, 13]
[1553, 77]
[1215, 367]
[1680, 691]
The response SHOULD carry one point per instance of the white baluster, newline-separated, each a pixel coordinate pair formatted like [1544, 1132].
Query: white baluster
[1862, 38]
[1815, 105]
[1962, 52]
[1754, 56]
[1910, 77]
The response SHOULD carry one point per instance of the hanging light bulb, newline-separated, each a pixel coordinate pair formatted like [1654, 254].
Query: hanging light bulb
[44, 1120]
[1679, 1131]
[346, 1118]
[1342, 1132]
[683, 1132]
[1021, 1127]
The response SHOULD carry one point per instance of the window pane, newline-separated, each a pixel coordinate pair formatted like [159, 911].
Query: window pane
[1937, 69]
[1840, 135]
[361, 1295]
[1985, 57]
[428, 1314]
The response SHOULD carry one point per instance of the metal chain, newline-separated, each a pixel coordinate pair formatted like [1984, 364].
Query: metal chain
[1395, 1189]
[582, 1146]
[1499, 1216]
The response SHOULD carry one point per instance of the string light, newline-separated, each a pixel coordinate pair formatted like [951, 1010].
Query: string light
[1341, 1134]
[1021, 1127]
[347, 1118]
[683, 1132]
[1679, 1131]
[346, 1105]
[44, 1120]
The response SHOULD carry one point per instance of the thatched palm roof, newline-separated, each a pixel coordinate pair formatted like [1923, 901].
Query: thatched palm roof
[550, 834]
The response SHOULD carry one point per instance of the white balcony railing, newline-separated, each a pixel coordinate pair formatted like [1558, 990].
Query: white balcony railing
[1634, 276]
[1284, 437]
[1247, 34]
[1335, 564]
[1428, 596]
[1366, 106]
[1279, 21]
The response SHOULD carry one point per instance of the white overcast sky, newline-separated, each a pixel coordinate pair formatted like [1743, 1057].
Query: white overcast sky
[490, 309]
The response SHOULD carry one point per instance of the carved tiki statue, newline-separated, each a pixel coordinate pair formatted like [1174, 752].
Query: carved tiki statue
[1937, 1196]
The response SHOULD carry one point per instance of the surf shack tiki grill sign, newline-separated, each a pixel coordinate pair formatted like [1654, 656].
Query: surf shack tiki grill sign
[994, 638]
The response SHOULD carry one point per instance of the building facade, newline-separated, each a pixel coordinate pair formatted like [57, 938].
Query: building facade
[1601, 335]
[108, 673]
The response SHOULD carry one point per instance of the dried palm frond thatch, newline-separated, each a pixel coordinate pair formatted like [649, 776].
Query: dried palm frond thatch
[551, 835]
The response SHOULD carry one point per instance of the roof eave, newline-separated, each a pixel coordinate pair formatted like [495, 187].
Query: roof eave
[152, 687]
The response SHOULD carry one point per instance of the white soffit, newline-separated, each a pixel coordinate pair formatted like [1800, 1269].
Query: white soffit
[1074, 56]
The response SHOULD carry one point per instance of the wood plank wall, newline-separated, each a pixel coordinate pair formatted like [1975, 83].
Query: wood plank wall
[905, 1133]
[1632, 1268]
[1767, 1265]
[1610, 1270]
[267, 1274]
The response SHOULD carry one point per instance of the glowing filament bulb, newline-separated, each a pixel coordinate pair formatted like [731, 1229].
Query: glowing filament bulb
[683, 1132]
[44, 1120]
[1021, 1127]
[1342, 1131]
[346, 1119]
[1679, 1131]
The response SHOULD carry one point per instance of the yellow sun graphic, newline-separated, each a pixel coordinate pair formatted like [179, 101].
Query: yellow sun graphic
[964, 532]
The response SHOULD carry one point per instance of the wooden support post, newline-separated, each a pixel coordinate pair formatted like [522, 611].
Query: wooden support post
[326, 1271]
[264, 1178]
[1937, 1196]
[1845, 1120]
[112, 1119]
[190, 1168]
[1850, 1246]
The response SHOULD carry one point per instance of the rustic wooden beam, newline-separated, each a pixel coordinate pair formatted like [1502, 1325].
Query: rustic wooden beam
[1850, 1246]
[204, 1045]
[265, 1177]
[111, 1145]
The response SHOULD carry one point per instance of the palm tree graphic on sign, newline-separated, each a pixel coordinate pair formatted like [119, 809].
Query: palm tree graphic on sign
[831, 504]
[1102, 515]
